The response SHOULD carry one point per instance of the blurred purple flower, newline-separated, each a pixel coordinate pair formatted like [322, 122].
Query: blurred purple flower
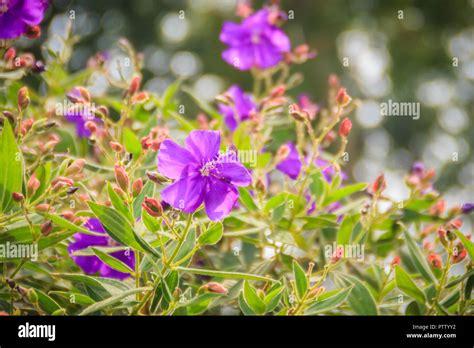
[467, 208]
[17, 16]
[240, 111]
[328, 172]
[291, 165]
[92, 264]
[254, 43]
[202, 174]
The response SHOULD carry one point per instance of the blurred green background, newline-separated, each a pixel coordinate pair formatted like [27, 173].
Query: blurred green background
[423, 54]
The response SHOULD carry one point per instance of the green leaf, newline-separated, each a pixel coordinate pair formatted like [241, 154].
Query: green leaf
[318, 222]
[224, 274]
[112, 261]
[301, 281]
[345, 231]
[111, 300]
[74, 297]
[11, 168]
[467, 244]
[119, 228]
[418, 259]
[273, 297]
[329, 303]
[61, 222]
[212, 235]
[459, 279]
[318, 186]
[47, 303]
[408, 286]
[245, 308]
[275, 201]
[343, 192]
[200, 303]
[117, 202]
[147, 191]
[132, 143]
[360, 299]
[246, 199]
[252, 299]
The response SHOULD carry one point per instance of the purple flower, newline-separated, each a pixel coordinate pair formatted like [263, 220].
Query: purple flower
[467, 208]
[254, 43]
[17, 16]
[92, 264]
[202, 174]
[241, 109]
[291, 165]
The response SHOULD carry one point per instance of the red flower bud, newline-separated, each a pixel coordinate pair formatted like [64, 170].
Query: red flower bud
[345, 128]
[215, 287]
[396, 261]
[121, 177]
[140, 98]
[435, 260]
[9, 55]
[33, 185]
[18, 197]
[116, 147]
[145, 142]
[438, 208]
[342, 98]
[134, 85]
[91, 126]
[461, 255]
[44, 207]
[23, 98]
[442, 236]
[75, 167]
[379, 184]
[46, 228]
[33, 32]
[137, 187]
[333, 81]
[152, 206]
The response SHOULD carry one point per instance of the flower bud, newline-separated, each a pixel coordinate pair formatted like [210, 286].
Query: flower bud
[134, 85]
[120, 192]
[91, 126]
[75, 167]
[379, 184]
[33, 185]
[145, 142]
[333, 81]
[68, 215]
[345, 128]
[202, 121]
[156, 178]
[435, 260]
[140, 98]
[121, 177]
[298, 114]
[442, 236]
[116, 147]
[438, 208]
[459, 256]
[9, 55]
[467, 208]
[152, 206]
[137, 187]
[33, 32]
[46, 228]
[44, 207]
[23, 98]
[342, 98]
[155, 145]
[215, 287]
[18, 197]
[396, 261]
[283, 152]
[101, 111]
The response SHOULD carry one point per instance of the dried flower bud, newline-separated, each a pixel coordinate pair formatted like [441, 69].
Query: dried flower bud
[137, 187]
[121, 177]
[345, 128]
[33, 32]
[134, 85]
[23, 98]
[379, 184]
[75, 167]
[32, 186]
[46, 228]
[116, 147]
[396, 261]
[435, 260]
[342, 98]
[9, 55]
[260, 186]
[72, 190]
[152, 206]
[218, 288]
[145, 142]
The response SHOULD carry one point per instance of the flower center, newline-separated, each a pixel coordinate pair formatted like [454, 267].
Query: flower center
[207, 168]
[255, 38]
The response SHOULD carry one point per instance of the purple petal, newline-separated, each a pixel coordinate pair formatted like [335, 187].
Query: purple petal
[234, 172]
[173, 159]
[279, 39]
[127, 257]
[291, 166]
[232, 34]
[220, 199]
[203, 144]
[186, 194]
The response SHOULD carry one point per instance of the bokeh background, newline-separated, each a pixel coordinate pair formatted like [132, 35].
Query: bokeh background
[427, 57]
